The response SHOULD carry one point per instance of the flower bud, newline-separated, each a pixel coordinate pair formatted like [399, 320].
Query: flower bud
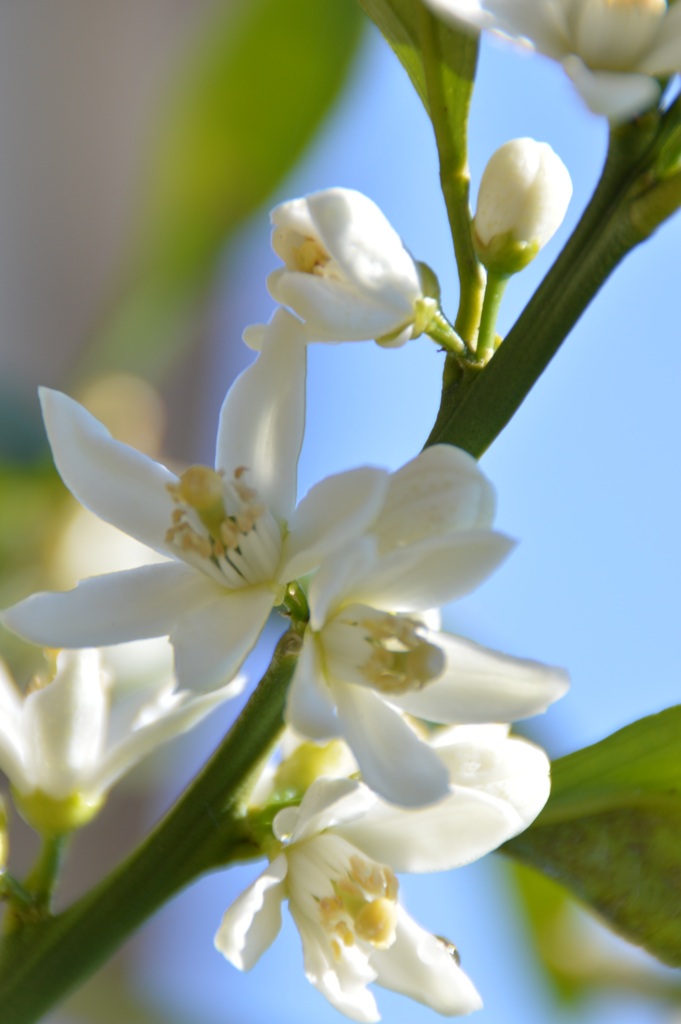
[524, 194]
[309, 762]
[346, 273]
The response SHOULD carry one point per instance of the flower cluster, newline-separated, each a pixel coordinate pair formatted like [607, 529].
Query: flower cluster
[362, 562]
[335, 856]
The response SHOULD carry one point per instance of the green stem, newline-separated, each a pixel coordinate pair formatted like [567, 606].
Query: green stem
[475, 408]
[43, 876]
[494, 293]
[442, 332]
[449, 61]
[13, 893]
[205, 829]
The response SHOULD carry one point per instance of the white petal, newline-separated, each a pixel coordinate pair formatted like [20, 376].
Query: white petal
[253, 336]
[419, 966]
[211, 641]
[543, 26]
[510, 769]
[294, 216]
[333, 512]
[65, 724]
[439, 491]
[471, 12]
[12, 754]
[328, 803]
[498, 785]
[309, 708]
[110, 609]
[336, 577]
[116, 482]
[142, 740]
[431, 572]
[617, 95]
[366, 246]
[480, 685]
[456, 831]
[333, 311]
[252, 923]
[342, 981]
[263, 416]
[664, 58]
[393, 761]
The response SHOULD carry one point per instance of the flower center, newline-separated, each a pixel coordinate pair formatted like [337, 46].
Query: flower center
[363, 907]
[223, 528]
[386, 652]
[613, 35]
[304, 254]
[400, 659]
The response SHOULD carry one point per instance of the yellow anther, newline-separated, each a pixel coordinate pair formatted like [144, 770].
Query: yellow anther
[376, 923]
[344, 933]
[246, 493]
[310, 257]
[229, 534]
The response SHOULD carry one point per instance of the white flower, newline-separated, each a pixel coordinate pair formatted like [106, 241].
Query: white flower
[339, 851]
[66, 742]
[524, 194]
[346, 272]
[613, 50]
[233, 535]
[368, 657]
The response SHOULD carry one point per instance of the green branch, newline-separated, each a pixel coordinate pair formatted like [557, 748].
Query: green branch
[207, 828]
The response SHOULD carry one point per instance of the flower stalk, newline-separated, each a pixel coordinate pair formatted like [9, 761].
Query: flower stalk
[494, 293]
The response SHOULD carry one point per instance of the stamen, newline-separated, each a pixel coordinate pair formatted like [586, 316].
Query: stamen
[376, 923]
[310, 257]
[363, 907]
[216, 521]
[401, 659]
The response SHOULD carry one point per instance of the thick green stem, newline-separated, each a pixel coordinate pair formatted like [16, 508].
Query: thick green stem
[475, 408]
[205, 829]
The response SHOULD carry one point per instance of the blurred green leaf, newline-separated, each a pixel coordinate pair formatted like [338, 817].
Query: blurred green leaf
[248, 101]
[545, 906]
[611, 831]
[30, 517]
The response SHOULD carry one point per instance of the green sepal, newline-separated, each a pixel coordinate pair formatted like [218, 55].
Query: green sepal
[56, 817]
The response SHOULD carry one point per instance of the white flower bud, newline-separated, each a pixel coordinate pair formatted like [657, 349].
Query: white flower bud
[346, 272]
[523, 197]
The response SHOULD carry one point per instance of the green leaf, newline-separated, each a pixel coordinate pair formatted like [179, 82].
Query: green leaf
[611, 831]
[398, 21]
[245, 105]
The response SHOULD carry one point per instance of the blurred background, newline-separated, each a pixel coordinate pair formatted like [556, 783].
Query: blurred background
[141, 146]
